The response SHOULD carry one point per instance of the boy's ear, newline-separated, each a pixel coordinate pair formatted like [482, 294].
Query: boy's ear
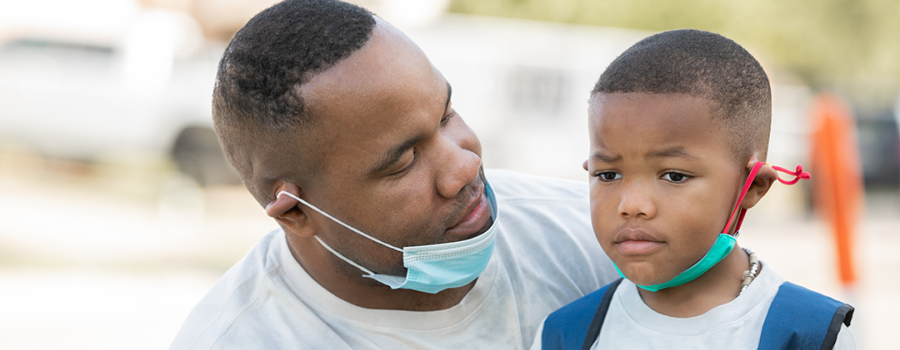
[289, 212]
[761, 184]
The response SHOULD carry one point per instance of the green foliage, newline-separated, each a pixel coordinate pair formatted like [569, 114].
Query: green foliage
[849, 45]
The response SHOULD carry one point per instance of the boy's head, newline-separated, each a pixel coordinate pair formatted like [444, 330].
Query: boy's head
[705, 65]
[676, 122]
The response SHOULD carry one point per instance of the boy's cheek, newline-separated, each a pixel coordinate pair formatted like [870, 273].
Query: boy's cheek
[603, 235]
[604, 220]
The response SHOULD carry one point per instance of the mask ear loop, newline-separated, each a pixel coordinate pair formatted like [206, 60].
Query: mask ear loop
[747, 184]
[351, 228]
[798, 174]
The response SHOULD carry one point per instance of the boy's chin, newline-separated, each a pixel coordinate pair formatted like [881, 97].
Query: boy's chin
[648, 282]
[643, 277]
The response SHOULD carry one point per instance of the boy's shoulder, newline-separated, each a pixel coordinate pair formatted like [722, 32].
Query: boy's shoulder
[798, 316]
[568, 327]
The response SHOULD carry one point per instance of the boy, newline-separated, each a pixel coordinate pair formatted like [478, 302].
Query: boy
[678, 123]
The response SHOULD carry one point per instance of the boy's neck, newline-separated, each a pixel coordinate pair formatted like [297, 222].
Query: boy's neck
[720, 285]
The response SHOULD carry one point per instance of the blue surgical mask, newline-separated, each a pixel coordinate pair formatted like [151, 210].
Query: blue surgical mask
[435, 267]
[725, 242]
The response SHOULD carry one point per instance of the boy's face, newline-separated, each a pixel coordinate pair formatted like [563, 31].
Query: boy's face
[663, 181]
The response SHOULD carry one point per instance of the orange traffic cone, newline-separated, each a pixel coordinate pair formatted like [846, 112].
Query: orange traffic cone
[837, 180]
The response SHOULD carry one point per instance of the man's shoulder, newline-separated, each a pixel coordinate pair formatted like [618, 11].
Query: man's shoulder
[545, 238]
[513, 185]
[539, 205]
[236, 298]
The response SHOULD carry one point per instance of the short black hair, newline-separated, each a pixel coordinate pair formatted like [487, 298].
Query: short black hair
[700, 64]
[256, 95]
[281, 48]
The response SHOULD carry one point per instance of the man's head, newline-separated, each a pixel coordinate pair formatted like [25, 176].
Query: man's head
[257, 100]
[675, 124]
[357, 122]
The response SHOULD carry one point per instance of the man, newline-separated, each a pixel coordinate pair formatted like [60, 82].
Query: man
[391, 235]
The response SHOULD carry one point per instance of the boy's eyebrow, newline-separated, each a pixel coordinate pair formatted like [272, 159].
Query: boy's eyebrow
[605, 157]
[671, 152]
[666, 153]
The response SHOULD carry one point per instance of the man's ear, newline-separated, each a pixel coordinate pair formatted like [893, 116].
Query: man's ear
[761, 184]
[288, 213]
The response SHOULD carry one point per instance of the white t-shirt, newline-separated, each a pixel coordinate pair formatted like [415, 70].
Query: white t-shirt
[545, 257]
[631, 324]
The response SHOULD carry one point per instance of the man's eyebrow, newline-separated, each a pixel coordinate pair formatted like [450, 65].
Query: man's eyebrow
[670, 152]
[394, 155]
[449, 94]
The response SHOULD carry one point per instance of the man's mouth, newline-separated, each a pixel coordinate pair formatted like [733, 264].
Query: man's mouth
[476, 218]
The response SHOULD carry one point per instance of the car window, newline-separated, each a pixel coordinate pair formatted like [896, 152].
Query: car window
[68, 57]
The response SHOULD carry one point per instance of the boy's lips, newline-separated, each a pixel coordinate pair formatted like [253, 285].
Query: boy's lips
[477, 215]
[636, 242]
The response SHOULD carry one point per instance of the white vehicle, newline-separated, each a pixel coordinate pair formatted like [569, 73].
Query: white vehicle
[144, 92]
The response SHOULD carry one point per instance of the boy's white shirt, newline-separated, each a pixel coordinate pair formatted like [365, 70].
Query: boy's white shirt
[631, 324]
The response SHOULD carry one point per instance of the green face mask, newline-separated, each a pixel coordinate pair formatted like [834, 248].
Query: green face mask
[720, 249]
[724, 242]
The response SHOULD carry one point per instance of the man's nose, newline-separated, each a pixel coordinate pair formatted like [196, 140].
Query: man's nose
[458, 168]
[636, 201]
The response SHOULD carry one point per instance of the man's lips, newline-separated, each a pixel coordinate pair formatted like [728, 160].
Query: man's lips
[478, 213]
[636, 242]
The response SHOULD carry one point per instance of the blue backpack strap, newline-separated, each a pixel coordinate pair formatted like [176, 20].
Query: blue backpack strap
[568, 327]
[800, 319]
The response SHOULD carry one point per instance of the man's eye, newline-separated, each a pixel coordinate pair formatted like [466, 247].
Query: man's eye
[609, 176]
[447, 118]
[406, 168]
[675, 177]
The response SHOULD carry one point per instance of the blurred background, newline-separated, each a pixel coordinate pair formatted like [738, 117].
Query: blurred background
[118, 211]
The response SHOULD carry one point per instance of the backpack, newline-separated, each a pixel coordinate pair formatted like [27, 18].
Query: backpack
[798, 319]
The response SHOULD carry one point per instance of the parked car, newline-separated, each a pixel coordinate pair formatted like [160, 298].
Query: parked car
[138, 93]
[879, 147]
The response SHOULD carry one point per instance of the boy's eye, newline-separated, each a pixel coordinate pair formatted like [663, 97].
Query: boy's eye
[609, 176]
[675, 177]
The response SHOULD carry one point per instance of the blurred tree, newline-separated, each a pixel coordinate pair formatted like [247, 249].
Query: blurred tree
[852, 46]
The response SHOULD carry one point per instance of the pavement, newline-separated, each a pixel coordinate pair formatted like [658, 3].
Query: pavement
[101, 256]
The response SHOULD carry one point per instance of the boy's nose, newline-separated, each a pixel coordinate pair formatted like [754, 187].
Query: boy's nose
[636, 203]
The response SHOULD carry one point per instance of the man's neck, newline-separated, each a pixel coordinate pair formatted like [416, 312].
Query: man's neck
[364, 292]
[720, 285]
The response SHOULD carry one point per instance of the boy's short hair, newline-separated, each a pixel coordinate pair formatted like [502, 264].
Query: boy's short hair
[700, 64]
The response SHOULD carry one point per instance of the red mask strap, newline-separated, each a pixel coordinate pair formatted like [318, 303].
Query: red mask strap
[798, 174]
[747, 184]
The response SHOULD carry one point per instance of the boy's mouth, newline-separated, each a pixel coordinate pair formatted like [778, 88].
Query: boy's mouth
[636, 242]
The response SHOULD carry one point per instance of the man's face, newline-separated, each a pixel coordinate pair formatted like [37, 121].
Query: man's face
[663, 181]
[396, 161]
